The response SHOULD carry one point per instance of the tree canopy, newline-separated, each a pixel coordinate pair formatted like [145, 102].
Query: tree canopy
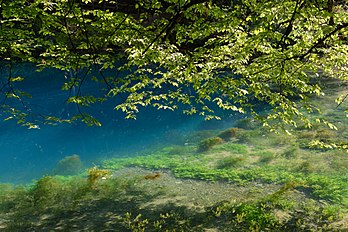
[192, 55]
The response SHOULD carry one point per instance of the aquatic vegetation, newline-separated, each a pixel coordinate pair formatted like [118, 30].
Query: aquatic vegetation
[267, 174]
[290, 152]
[338, 163]
[235, 148]
[197, 136]
[254, 216]
[330, 188]
[95, 174]
[51, 199]
[177, 150]
[275, 212]
[325, 134]
[124, 198]
[5, 187]
[266, 157]
[228, 134]
[69, 165]
[306, 167]
[230, 162]
[47, 191]
[248, 136]
[153, 176]
[12, 196]
[136, 224]
[247, 123]
[321, 139]
[307, 134]
[209, 143]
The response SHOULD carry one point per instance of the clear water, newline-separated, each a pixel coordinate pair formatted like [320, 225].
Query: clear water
[275, 181]
[30, 153]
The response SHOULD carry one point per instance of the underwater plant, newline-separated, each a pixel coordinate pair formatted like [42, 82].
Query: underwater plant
[290, 152]
[229, 133]
[46, 191]
[247, 123]
[95, 174]
[235, 148]
[230, 162]
[306, 134]
[266, 157]
[197, 136]
[153, 176]
[207, 144]
[69, 165]
[325, 134]
[247, 136]
[306, 167]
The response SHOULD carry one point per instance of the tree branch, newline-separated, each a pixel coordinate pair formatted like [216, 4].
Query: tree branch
[320, 41]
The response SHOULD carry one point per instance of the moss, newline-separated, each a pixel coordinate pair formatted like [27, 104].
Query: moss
[306, 167]
[314, 126]
[95, 174]
[69, 165]
[256, 216]
[207, 144]
[266, 157]
[307, 135]
[247, 123]
[177, 150]
[325, 134]
[228, 134]
[290, 152]
[13, 197]
[248, 136]
[339, 163]
[5, 187]
[230, 147]
[230, 162]
[51, 193]
[200, 135]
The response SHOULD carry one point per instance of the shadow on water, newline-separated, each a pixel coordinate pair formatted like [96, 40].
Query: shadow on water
[26, 154]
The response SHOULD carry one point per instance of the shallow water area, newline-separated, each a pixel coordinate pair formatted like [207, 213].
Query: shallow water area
[169, 172]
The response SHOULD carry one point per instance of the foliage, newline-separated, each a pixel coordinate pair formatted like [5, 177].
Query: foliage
[193, 55]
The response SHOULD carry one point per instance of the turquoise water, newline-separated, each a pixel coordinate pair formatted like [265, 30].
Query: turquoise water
[30, 153]
[230, 174]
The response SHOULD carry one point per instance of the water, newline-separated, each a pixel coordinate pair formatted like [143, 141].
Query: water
[30, 153]
[250, 179]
